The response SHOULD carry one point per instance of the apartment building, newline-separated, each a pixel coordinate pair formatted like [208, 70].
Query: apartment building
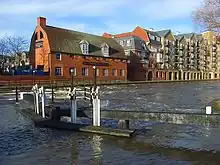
[151, 42]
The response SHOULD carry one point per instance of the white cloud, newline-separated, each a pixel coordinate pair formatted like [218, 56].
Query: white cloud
[168, 9]
[112, 16]
[61, 8]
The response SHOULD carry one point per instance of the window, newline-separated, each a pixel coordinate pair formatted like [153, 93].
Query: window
[58, 56]
[105, 50]
[128, 42]
[158, 38]
[127, 53]
[36, 38]
[152, 37]
[84, 71]
[97, 71]
[143, 45]
[104, 72]
[84, 45]
[73, 71]
[58, 71]
[122, 72]
[41, 35]
[114, 72]
[121, 43]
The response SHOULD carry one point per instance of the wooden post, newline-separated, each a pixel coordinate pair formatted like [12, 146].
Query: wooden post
[16, 92]
[73, 99]
[123, 124]
[52, 94]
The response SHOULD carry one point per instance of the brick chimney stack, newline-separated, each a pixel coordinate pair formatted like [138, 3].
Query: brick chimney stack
[41, 21]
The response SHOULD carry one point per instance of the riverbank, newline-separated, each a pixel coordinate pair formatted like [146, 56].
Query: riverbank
[63, 84]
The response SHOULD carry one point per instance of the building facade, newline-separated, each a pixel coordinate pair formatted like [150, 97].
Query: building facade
[62, 52]
[176, 57]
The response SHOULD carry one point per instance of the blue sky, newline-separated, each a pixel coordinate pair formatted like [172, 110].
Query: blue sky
[18, 17]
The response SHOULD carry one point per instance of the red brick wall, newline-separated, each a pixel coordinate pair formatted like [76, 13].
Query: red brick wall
[76, 61]
[23, 79]
[40, 56]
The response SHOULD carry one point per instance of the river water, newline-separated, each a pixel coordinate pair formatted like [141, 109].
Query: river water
[156, 143]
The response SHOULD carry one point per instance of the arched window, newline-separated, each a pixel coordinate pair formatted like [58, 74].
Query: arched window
[36, 37]
[105, 50]
[84, 45]
[41, 35]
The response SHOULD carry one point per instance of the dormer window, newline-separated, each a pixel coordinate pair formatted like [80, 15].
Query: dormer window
[84, 45]
[105, 50]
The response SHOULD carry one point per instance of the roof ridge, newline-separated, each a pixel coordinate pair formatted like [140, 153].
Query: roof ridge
[75, 31]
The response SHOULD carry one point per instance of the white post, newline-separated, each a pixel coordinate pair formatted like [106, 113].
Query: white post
[42, 95]
[208, 110]
[96, 107]
[36, 97]
[73, 100]
[37, 102]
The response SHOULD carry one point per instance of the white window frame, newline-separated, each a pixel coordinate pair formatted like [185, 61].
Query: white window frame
[59, 55]
[97, 71]
[58, 67]
[86, 71]
[115, 73]
[123, 72]
[84, 46]
[128, 42]
[105, 50]
[105, 74]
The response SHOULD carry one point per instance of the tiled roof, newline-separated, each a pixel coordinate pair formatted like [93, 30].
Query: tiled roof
[68, 41]
[187, 35]
[199, 37]
[163, 33]
[127, 34]
[123, 35]
[154, 34]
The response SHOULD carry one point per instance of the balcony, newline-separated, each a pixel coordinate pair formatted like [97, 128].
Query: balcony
[166, 58]
[192, 44]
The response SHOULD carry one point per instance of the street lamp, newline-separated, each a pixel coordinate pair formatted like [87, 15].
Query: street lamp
[33, 76]
[72, 78]
[95, 70]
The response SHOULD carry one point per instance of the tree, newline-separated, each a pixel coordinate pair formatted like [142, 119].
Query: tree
[4, 50]
[16, 44]
[207, 16]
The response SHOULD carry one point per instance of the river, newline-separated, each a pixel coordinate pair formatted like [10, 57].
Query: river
[156, 143]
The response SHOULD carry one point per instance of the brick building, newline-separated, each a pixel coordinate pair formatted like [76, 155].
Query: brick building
[58, 51]
[146, 68]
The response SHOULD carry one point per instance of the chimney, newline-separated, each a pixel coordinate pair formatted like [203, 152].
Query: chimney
[41, 21]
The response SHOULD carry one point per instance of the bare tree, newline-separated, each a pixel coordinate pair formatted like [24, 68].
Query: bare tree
[4, 50]
[207, 16]
[16, 45]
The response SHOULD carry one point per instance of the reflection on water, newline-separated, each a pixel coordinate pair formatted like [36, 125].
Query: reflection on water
[97, 151]
[165, 96]
[21, 143]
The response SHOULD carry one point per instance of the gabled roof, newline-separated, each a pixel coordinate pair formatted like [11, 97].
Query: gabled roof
[126, 34]
[163, 33]
[67, 41]
[199, 37]
[187, 35]
[178, 37]
[154, 34]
